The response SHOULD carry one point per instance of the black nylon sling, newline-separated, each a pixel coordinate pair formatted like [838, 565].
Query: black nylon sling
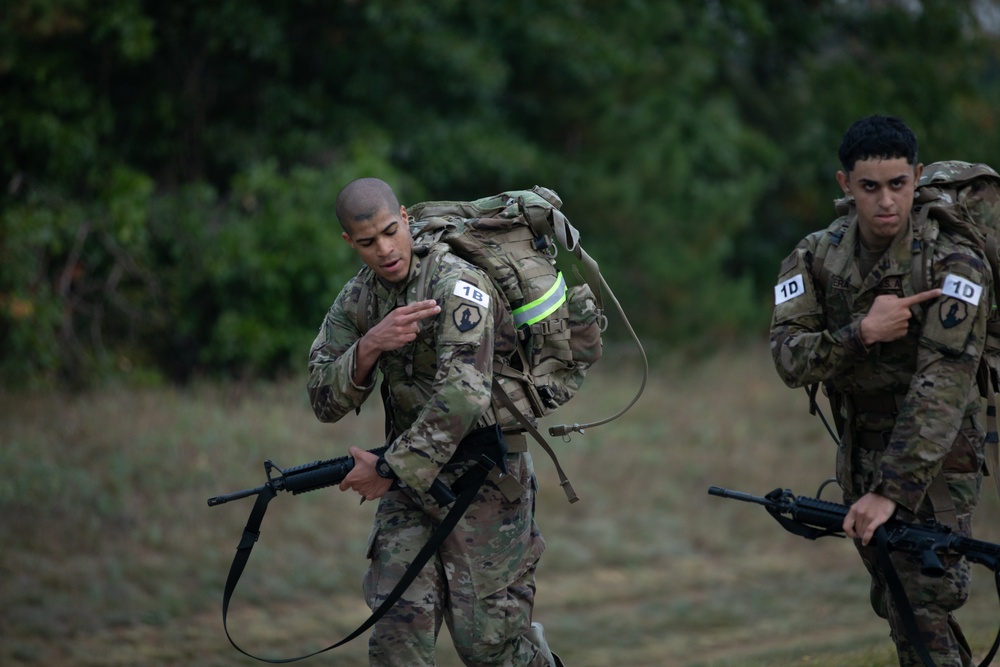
[467, 486]
[906, 610]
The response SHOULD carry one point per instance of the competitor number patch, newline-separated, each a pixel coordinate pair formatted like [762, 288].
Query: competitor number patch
[961, 288]
[789, 289]
[470, 292]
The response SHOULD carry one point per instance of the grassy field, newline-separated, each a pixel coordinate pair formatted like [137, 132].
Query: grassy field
[110, 555]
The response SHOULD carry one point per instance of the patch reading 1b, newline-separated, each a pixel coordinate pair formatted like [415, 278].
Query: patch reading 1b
[470, 292]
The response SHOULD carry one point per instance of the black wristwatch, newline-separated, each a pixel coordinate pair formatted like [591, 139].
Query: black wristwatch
[383, 469]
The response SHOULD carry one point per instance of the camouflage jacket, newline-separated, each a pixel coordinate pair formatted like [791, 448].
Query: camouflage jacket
[816, 337]
[440, 384]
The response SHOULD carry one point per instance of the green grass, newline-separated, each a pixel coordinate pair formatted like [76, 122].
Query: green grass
[111, 556]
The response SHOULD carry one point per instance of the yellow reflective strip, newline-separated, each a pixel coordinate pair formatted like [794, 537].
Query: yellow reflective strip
[542, 307]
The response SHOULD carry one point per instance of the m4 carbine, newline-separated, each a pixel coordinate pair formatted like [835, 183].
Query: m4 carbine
[813, 518]
[319, 475]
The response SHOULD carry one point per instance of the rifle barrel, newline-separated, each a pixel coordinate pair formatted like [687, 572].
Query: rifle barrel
[737, 495]
[236, 495]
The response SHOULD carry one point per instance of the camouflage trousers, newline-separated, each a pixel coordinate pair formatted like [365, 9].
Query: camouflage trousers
[481, 582]
[933, 599]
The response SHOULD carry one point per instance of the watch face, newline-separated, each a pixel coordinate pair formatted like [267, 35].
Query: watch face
[383, 469]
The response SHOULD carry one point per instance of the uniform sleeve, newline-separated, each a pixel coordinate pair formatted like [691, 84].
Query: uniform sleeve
[803, 349]
[461, 390]
[332, 391]
[940, 392]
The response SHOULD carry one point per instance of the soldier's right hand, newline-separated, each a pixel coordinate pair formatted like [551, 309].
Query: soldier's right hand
[889, 317]
[400, 326]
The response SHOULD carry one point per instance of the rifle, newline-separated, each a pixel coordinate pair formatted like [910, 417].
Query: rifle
[484, 449]
[319, 475]
[813, 518]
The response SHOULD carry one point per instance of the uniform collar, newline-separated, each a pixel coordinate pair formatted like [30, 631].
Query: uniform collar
[894, 261]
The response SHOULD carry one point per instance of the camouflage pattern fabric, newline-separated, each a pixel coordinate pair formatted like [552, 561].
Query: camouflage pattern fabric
[917, 395]
[481, 583]
[440, 384]
[933, 599]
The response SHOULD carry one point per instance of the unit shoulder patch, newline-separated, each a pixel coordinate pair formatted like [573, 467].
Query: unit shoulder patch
[466, 317]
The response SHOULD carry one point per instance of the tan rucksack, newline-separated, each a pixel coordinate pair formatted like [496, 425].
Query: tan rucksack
[515, 237]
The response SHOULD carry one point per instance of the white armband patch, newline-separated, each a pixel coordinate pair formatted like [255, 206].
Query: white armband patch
[789, 289]
[961, 288]
[470, 292]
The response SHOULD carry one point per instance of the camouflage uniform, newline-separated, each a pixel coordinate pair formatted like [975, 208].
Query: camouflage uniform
[481, 582]
[907, 409]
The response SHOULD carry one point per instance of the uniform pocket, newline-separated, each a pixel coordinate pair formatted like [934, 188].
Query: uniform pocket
[966, 454]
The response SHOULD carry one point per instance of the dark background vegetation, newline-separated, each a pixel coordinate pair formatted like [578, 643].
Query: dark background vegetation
[167, 241]
[168, 169]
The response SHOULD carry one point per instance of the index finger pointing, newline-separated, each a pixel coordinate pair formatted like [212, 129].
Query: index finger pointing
[921, 297]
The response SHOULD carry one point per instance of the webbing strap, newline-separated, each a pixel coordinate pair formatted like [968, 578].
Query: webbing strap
[564, 482]
[903, 603]
[992, 448]
[941, 501]
[899, 597]
[467, 485]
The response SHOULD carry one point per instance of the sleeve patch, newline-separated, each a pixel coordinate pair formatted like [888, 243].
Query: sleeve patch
[958, 287]
[466, 317]
[789, 289]
[470, 292]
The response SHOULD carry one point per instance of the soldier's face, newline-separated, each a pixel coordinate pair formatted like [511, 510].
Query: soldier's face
[883, 190]
[384, 243]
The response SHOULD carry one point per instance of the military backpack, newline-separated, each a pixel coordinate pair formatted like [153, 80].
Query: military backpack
[515, 237]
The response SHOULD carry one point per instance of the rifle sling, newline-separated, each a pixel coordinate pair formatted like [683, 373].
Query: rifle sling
[467, 487]
[508, 403]
[903, 603]
[899, 597]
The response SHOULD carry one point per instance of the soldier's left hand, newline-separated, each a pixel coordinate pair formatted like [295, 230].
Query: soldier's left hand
[866, 515]
[363, 477]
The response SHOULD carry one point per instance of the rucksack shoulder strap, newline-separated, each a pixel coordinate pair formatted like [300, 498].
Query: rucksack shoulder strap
[830, 239]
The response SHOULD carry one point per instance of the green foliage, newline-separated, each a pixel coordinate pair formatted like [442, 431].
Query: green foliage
[170, 168]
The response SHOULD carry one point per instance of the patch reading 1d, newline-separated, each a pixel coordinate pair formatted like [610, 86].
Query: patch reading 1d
[470, 292]
[789, 289]
[958, 287]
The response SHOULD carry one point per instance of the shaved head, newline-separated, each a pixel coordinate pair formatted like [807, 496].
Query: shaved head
[362, 199]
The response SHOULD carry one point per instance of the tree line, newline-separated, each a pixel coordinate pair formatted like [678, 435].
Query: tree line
[170, 169]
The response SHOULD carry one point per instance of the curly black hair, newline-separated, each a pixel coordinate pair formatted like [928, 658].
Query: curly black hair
[879, 137]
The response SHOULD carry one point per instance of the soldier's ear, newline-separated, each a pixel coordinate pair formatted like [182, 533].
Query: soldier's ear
[845, 182]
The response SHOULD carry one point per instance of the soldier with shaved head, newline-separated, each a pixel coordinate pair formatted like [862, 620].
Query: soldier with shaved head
[432, 325]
